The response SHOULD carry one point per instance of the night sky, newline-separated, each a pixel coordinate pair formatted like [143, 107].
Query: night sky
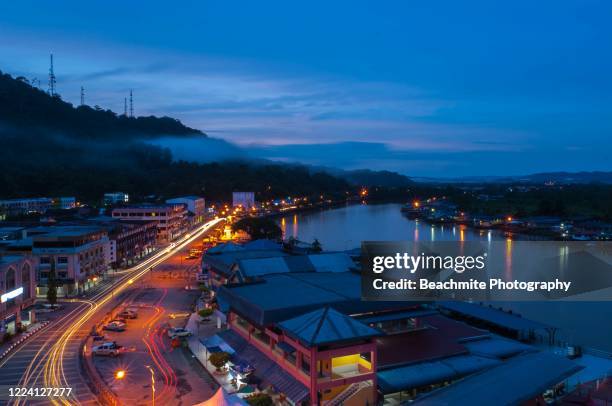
[443, 88]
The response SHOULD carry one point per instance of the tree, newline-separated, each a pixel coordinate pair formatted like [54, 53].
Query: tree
[259, 399]
[316, 246]
[219, 359]
[52, 284]
[259, 228]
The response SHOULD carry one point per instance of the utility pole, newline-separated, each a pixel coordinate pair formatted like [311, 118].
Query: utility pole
[82, 96]
[51, 78]
[131, 104]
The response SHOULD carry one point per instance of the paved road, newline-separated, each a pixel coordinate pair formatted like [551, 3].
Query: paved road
[51, 358]
[178, 379]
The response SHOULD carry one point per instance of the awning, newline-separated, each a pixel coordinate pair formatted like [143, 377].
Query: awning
[266, 370]
[216, 344]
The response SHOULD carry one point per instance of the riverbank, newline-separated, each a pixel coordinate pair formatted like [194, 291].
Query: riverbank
[344, 228]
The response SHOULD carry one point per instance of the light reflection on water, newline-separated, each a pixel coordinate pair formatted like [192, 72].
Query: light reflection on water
[585, 323]
[344, 228]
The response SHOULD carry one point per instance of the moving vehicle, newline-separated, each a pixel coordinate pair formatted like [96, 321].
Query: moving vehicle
[179, 315]
[115, 325]
[110, 349]
[178, 332]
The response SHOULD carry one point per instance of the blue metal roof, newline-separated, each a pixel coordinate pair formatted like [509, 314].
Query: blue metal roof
[283, 296]
[262, 245]
[389, 316]
[493, 316]
[512, 382]
[497, 347]
[227, 247]
[325, 326]
[427, 373]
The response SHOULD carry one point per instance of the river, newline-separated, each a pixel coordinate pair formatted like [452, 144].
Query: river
[583, 323]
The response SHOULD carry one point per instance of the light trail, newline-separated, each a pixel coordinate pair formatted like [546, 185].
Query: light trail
[53, 370]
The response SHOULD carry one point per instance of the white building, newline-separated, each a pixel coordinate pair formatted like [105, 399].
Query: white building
[245, 200]
[39, 205]
[196, 206]
[115, 198]
[171, 219]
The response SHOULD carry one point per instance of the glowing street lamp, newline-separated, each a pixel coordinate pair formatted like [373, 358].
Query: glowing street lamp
[119, 374]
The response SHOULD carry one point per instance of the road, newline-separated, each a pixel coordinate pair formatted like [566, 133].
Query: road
[179, 379]
[51, 358]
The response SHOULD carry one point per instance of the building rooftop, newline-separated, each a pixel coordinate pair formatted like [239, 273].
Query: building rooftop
[324, 326]
[493, 316]
[224, 248]
[64, 231]
[262, 245]
[185, 197]
[428, 373]
[280, 297]
[512, 382]
[258, 266]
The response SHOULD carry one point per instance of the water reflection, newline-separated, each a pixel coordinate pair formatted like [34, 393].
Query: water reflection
[345, 228]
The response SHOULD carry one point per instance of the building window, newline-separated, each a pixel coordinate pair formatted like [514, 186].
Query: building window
[10, 279]
[62, 260]
[45, 260]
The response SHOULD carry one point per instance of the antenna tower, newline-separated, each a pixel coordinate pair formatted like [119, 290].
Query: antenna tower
[131, 104]
[51, 77]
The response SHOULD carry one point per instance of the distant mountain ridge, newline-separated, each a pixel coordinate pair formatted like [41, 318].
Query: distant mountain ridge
[544, 177]
[25, 106]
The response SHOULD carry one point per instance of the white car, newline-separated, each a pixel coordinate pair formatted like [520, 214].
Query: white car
[106, 349]
[178, 332]
[115, 326]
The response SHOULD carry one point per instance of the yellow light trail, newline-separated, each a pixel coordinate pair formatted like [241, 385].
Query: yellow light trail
[53, 371]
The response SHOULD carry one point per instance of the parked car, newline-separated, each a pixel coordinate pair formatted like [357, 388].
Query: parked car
[128, 314]
[115, 326]
[178, 332]
[110, 349]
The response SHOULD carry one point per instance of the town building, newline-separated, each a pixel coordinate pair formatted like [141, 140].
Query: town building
[116, 198]
[171, 219]
[311, 337]
[246, 200]
[196, 207]
[129, 241]
[79, 254]
[16, 207]
[17, 289]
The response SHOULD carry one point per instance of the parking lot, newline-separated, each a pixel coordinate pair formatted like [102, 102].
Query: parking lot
[147, 352]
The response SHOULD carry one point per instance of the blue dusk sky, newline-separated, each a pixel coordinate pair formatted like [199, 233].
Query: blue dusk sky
[425, 88]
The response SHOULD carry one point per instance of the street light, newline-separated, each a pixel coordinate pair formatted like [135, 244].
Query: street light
[152, 383]
[119, 374]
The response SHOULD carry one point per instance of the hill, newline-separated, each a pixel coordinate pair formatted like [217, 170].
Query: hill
[50, 148]
[25, 106]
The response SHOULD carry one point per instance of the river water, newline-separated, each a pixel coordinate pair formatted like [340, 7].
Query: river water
[584, 323]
